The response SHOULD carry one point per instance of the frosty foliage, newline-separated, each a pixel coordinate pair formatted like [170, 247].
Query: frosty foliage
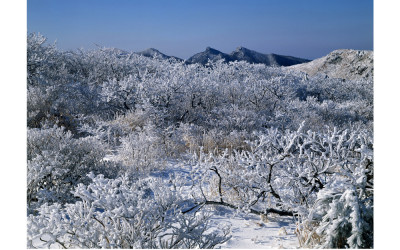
[57, 162]
[286, 169]
[118, 213]
[142, 149]
[257, 139]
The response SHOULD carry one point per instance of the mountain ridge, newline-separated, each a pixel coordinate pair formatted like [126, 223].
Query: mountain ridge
[208, 54]
[154, 53]
[343, 63]
[244, 54]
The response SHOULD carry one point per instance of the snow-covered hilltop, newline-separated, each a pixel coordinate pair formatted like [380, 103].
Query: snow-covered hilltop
[151, 52]
[344, 63]
[208, 54]
[251, 56]
[244, 54]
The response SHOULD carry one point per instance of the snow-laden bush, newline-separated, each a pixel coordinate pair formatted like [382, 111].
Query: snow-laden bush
[39, 104]
[54, 92]
[121, 95]
[42, 58]
[190, 138]
[234, 118]
[113, 130]
[118, 213]
[142, 149]
[343, 212]
[342, 218]
[57, 162]
[289, 172]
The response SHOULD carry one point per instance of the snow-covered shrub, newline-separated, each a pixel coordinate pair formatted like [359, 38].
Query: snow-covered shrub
[42, 60]
[120, 95]
[39, 104]
[54, 92]
[285, 170]
[343, 212]
[190, 139]
[190, 136]
[233, 118]
[142, 149]
[173, 140]
[118, 213]
[113, 130]
[217, 141]
[57, 162]
[342, 218]
[336, 102]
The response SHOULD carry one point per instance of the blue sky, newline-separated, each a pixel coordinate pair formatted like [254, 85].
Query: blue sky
[302, 28]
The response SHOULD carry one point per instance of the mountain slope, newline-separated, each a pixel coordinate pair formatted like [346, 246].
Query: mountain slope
[243, 54]
[251, 56]
[345, 63]
[209, 53]
[151, 52]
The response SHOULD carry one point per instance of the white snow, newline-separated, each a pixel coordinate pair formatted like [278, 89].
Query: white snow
[344, 63]
[249, 231]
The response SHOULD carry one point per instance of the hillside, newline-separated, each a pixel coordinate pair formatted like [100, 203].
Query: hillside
[345, 63]
[209, 53]
[244, 54]
[151, 52]
[251, 56]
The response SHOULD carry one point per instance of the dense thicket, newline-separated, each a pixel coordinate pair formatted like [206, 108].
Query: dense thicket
[257, 138]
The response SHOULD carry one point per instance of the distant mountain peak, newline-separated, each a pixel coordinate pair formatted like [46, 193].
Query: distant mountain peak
[152, 49]
[241, 48]
[244, 54]
[208, 54]
[212, 50]
[152, 52]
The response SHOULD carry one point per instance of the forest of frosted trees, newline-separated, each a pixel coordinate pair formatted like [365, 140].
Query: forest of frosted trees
[108, 132]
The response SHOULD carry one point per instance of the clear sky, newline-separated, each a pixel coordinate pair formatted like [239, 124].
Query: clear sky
[302, 28]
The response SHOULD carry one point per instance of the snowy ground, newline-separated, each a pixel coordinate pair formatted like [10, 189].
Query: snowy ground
[249, 231]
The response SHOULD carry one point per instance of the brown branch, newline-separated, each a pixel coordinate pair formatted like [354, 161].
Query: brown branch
[62, 244]
[108, 241]
[267, 211]
[219, 183]
[190, 209]
[270, 185]
[99, 221]
[262, 194]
